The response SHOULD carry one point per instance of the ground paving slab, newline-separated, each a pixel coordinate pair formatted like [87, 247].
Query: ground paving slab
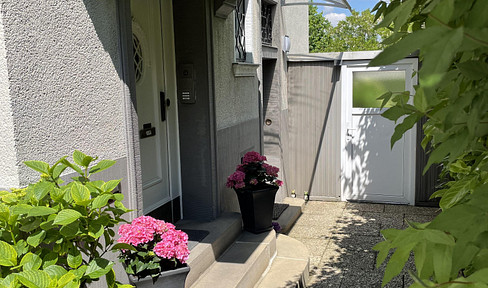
[340, 237]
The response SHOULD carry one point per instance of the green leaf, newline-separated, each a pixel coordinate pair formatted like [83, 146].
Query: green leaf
[31, 261]
[57, 194]
[396, 263]
[433, 69]
[70, 230]
[438, 237]
[410, 43]
[67, 216]
[79, 157]
[21, 209]
[125, 246]
[474, 70]
[95, 230]
[21, 247]
[442, 262]
[102, 165]
[383, 248]
[41, 211]
[101, 200]
[74, 258]
[423, 260]
[39, 166]
[110, 185]
[80, 194]
[55, 271]
[98, 267]
[35, 239]
[34, 279]
[30, 224]
[8, 254]
[72, 166]
[403, 127]
[41, 189]
[50, 259]
[5, 212]
[65, 279]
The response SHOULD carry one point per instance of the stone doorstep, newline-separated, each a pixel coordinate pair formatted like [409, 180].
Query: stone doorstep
[243, 264]
[290, 267]
[223, 232]
[291, 214]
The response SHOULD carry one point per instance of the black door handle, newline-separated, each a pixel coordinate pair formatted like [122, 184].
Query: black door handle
[162, 103]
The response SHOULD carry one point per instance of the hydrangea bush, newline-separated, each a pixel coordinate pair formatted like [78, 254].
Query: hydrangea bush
[150, 246]
[253, 172]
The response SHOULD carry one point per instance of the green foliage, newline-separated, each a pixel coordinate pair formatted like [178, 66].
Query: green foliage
[450, 37]
[51, 232]
[356, 33]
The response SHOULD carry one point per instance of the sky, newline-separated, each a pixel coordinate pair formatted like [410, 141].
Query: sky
[337, 14]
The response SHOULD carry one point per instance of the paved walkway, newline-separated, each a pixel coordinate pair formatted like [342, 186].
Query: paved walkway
[340, 237]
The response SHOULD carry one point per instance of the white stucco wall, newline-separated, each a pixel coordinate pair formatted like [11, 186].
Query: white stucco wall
[64, 81]
[9, 172]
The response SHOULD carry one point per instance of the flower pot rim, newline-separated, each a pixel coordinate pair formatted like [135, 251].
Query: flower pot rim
[184, 269]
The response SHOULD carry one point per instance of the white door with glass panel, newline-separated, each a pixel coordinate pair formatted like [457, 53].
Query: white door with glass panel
[371, 170]
[156, 107]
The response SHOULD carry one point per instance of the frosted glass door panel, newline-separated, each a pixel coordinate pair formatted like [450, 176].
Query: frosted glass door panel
[369, 85]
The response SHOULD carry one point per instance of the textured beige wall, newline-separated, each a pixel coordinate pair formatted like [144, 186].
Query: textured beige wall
[64, 86]
[9, 173]
[296, 26]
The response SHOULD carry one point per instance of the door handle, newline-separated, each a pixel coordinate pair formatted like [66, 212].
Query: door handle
[350, 132]
[162, 103]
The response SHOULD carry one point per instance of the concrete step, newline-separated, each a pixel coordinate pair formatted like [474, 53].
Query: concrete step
[243, 264]
[291, 214]
[290, 267]
[222, 233]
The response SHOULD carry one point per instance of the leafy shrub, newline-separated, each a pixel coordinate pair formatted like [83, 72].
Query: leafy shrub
[56, 234]
[450, 35]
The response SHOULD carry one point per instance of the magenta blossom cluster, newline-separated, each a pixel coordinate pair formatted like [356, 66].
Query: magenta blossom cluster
[168, 242]
[253, 171]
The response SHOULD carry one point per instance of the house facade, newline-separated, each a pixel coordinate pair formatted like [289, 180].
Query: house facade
[175, 91]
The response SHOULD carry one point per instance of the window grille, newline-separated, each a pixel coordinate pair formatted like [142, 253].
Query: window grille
[266, 24]
[239, 31]
[138, 59]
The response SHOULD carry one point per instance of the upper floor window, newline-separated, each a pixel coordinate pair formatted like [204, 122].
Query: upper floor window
[239, 31]
[266, 23]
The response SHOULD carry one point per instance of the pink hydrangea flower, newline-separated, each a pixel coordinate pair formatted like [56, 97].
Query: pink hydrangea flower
[279, 182]
[253, 156]
[236, 180]
[253, 181]
[271, 170]
[135, 234]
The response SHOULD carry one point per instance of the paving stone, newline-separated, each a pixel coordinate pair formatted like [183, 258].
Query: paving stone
[317, 220]
[314, 232]
[326, 277]
[348, 260]
[353, 244]
[365, 207]
[316, 247]
[363, 279]
[356, 225]
[411, 210]
[327, 208]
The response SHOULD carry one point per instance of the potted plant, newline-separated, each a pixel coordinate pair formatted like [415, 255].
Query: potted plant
[153, 251]
[55, 233]
[255, 183]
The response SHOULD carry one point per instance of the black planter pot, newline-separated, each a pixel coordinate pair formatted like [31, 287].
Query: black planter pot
[256, 204]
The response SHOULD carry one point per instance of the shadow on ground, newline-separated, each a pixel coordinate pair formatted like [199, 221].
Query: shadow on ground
[340, 237]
